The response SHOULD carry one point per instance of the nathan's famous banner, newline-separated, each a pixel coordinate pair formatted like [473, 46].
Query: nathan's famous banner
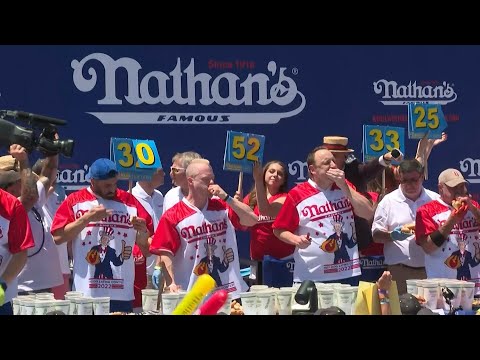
[188, 97]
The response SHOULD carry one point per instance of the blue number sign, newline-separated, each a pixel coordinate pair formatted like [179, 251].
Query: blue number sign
[425, 119]
[378, 140]
[135, 159]
[241, 150]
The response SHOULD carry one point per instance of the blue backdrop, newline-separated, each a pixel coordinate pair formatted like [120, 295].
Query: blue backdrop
[187, 97]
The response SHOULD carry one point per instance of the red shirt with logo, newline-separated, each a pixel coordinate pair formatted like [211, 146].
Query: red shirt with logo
[262, 240]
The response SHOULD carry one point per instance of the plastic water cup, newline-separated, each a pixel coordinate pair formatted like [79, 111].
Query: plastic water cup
[344, 299]
[430, 293]
[82, 305]
[265, 302]
[101, 305]
[412, 286]
[468, 292]
[169, 302]
[149, 299]
[326, 297]
[63, 306]
[249, 302]
[284, 298]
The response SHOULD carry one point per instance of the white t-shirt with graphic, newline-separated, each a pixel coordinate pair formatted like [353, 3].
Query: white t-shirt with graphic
[202, 241]
[102, 252]
[459, 256]
[327, 216]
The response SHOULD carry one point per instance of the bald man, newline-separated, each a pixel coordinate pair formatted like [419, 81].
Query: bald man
[196, 235]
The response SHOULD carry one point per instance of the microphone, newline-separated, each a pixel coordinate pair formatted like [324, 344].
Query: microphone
[22, 115]
[395, 153]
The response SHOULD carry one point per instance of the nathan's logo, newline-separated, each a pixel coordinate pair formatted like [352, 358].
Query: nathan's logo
[471, 168]
[192, 231]
[72, 177]
[189, 89]
[298, 169]
[394, 94]
[312, 211]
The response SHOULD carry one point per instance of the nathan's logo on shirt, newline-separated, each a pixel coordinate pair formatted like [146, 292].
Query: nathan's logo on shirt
[433, 93]
[314, 210]
[193, 231]
[264, 218]
[187, 90]
[471, 168]
[465, 224]
[120, 218]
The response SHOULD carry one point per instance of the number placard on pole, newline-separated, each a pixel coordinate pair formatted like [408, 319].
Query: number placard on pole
[425, 119]
[242, 150]
[378, 140]
[135, 159]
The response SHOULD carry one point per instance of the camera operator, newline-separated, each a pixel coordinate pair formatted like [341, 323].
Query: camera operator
[42, 270]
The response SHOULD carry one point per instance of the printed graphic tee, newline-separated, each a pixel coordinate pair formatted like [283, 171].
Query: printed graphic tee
[102, 252]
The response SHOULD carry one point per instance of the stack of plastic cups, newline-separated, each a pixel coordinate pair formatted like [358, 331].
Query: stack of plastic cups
[354, 298]
[336, 287]
[27, 305]
[70, 295]
[430, 293]
[412, 286]
[344, 298]
[284, 298]
[83, 305]
[326, 296]
[265, 302]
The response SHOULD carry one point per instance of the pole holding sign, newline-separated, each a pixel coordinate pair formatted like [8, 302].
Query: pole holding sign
[242, 150]
[135, 159]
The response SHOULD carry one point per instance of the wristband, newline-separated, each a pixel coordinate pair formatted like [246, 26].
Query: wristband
[157, 267]
[384, 301]
[3, 284]
[226, 198]
[382, 292]
[438, 238]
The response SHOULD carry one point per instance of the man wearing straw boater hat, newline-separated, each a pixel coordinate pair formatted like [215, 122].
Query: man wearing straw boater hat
[356, 172]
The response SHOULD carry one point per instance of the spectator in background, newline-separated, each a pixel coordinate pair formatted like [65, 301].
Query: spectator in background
[404, 258]
[180, 162]
[152, 200]
[55, 196]
[317, 218]
[42, 270]
[266, 199]
[15, 233]
[85, 216]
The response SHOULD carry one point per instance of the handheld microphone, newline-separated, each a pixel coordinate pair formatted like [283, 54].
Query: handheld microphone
[396, 153]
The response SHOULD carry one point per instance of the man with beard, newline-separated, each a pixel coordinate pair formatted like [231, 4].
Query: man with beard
[83, 216]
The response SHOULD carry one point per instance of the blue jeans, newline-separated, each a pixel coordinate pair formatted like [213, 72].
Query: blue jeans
[121, 306]
[6, 309]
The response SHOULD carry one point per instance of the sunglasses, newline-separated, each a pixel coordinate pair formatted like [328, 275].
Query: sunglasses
[176, 170]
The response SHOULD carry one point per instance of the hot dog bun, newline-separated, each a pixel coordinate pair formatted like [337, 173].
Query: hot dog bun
[408, 228]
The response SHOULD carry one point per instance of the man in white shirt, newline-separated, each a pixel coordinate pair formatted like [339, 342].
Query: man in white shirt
[404, 258]
[152, 200]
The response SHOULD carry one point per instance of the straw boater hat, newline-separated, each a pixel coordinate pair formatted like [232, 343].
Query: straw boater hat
[336, 144]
